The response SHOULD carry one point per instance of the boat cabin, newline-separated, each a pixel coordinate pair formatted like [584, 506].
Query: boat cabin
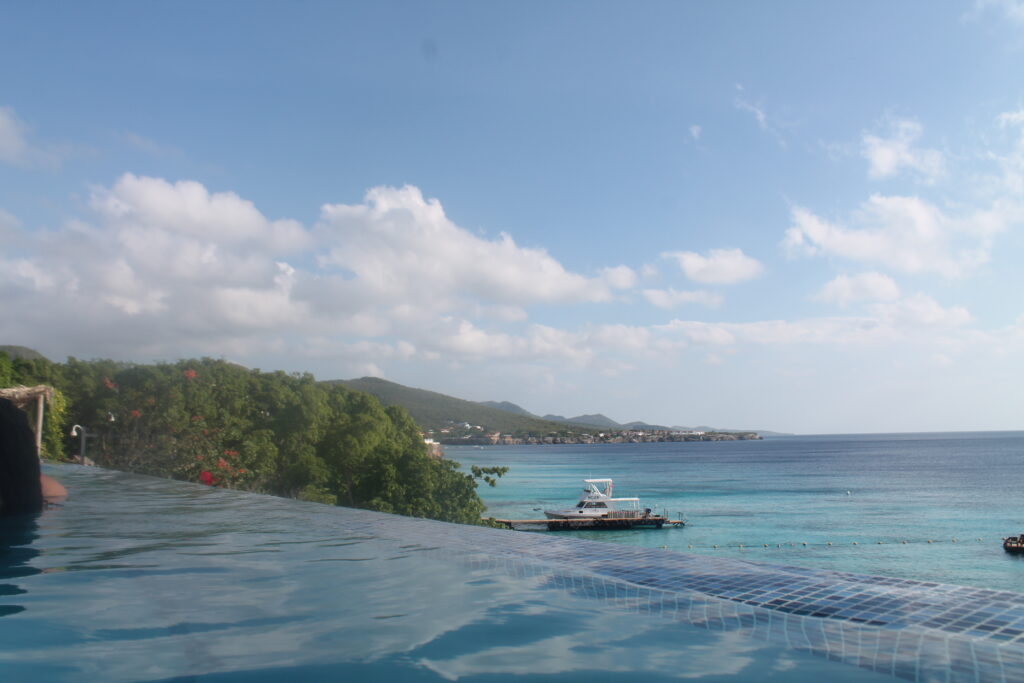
[597, 501]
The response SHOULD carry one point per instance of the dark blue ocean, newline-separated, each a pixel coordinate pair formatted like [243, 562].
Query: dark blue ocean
[926, 506]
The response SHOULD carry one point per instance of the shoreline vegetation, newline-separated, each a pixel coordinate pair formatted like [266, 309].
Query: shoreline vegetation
[617, 436]
[335, 442]
[217, 423]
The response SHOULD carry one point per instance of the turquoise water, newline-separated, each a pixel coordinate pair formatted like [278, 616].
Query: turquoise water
[787, 491]
[141, 579]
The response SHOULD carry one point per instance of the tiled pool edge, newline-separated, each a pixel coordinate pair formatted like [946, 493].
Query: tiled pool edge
[913, 630]
[908, 629]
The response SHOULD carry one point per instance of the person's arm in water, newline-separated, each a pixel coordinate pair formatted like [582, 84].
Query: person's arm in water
[53, 490]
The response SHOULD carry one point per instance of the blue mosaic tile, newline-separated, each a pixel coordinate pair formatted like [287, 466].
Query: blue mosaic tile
[915, 630]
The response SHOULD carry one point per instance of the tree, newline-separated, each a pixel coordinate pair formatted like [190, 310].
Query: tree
[221, 424]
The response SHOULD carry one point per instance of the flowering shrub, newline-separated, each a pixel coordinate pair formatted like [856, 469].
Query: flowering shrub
[271, 432]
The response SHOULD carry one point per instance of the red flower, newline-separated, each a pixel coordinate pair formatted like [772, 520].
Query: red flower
[206, 478]
[223, 464]
[199, 458]
[231, 454]
[197, 418]
[241, 471]
[190, 374]
[135, 413]
[109, 383]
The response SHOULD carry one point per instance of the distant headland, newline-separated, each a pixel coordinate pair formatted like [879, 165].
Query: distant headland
[453, 421]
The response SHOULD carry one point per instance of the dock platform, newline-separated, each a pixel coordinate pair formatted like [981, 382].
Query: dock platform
[648, 522]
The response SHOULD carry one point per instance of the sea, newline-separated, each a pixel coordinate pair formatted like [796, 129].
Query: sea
[931, 506]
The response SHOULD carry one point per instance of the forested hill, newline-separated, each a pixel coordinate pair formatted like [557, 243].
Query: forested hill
[432, 410]
[224, 425]
[22, 353]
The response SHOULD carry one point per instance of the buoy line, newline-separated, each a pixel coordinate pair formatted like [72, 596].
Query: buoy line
[825, 544]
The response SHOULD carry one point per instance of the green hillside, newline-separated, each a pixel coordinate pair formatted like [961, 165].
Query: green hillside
[22, 352]
[507, 406]
[432, 410]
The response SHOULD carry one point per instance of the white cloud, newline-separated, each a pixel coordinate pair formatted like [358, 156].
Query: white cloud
[906, 234]
[920, 310]
[695, 131]
[403, 248]
[914, 319]
[156, 208]
[759, 114]
[1011, 9]
[846, 289]
[597, 347]
[756, 110]
[671, 298]
[720, 266]
[15, 147]
[368, 370]
[10, 228]
[510, 314]
[887, 156]
[144, 144]
[619, 277]
[171, 268]
[27, 274]
[167, 269]
[540, 343]
[1009, 119]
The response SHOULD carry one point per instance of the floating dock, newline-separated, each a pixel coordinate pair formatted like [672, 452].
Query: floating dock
[648, 522]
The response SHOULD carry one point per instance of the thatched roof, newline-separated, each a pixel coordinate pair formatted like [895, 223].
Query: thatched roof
[22, 396]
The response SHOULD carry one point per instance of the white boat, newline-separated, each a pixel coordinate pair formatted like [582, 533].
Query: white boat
[596, 502]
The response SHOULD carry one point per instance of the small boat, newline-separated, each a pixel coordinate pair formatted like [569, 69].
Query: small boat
[1014, 544]
[596, 502]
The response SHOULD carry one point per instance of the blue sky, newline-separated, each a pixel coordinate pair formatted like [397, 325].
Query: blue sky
[797, 216]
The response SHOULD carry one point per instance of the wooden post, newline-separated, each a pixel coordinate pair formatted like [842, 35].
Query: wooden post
[40, 400]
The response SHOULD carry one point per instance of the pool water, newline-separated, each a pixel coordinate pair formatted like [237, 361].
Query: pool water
[142, 579]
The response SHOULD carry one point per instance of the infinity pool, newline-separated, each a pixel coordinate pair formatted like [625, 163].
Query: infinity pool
[142, 579]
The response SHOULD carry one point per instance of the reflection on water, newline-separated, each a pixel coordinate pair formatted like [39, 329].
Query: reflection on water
[161, 580]
[16, 553]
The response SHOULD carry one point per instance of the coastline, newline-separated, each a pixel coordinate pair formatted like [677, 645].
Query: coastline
[615, 437]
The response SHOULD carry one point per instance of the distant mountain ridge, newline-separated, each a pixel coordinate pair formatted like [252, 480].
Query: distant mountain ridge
[596, 420]
[605, 422]
[432, 410]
